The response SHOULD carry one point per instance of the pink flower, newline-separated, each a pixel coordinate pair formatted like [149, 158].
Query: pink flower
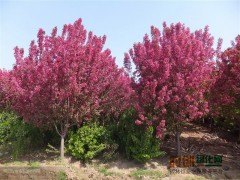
[162, 123]
[187, 98]
[141, 117]
[138, 122]
[164, 111]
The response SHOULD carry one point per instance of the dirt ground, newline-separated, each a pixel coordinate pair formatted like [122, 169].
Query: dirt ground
[196, 139]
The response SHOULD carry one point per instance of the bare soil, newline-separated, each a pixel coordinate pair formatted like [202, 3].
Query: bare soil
[196, 139]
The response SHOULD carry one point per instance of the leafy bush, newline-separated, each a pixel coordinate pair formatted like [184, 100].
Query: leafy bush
[89, 141]
[18, 135]
[138, 142]
[142, 146]
[5, 122]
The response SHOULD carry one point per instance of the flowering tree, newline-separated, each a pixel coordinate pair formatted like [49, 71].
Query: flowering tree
[173, 74]
[1, 90]
[225, 96]
[66, 79]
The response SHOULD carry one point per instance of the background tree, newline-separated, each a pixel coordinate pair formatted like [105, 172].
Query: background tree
[66, 79]
[173, 74]
[4, 90]
[225, 95]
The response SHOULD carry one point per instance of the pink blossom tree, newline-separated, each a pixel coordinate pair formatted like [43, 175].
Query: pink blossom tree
[225, 94]
[172, 76]
[66, 79]
[4, 90]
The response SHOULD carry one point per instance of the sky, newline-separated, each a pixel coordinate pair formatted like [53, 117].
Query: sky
[123, 22]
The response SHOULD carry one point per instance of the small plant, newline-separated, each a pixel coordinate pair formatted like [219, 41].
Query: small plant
[89, 141]
[61, 175]
[34, 164]
[140, 173]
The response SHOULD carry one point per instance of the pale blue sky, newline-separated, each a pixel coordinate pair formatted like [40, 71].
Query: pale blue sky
[124, 22]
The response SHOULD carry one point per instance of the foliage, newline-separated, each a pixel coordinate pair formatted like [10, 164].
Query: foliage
[89, 141]
[142, 146]
[138, 142]
[66, 79]
[5, 123]
[18, 135]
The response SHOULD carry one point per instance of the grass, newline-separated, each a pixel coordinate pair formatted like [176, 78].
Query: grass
[16, 163]
[104, 170]
[34, 164]
[195, 178]
[61, 175]
[153, 174]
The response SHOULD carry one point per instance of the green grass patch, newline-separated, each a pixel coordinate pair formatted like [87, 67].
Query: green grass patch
[140, 173]
[61, 175]
[104, 170]
[34, 164]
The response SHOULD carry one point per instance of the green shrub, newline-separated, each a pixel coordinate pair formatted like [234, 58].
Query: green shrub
[5, 125]
[137, 141]
[18, 135]
[142, 145]
[89, 141]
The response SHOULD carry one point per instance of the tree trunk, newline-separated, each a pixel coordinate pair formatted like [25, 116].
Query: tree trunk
[62, 147]
[178, 143]
[62, 134]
